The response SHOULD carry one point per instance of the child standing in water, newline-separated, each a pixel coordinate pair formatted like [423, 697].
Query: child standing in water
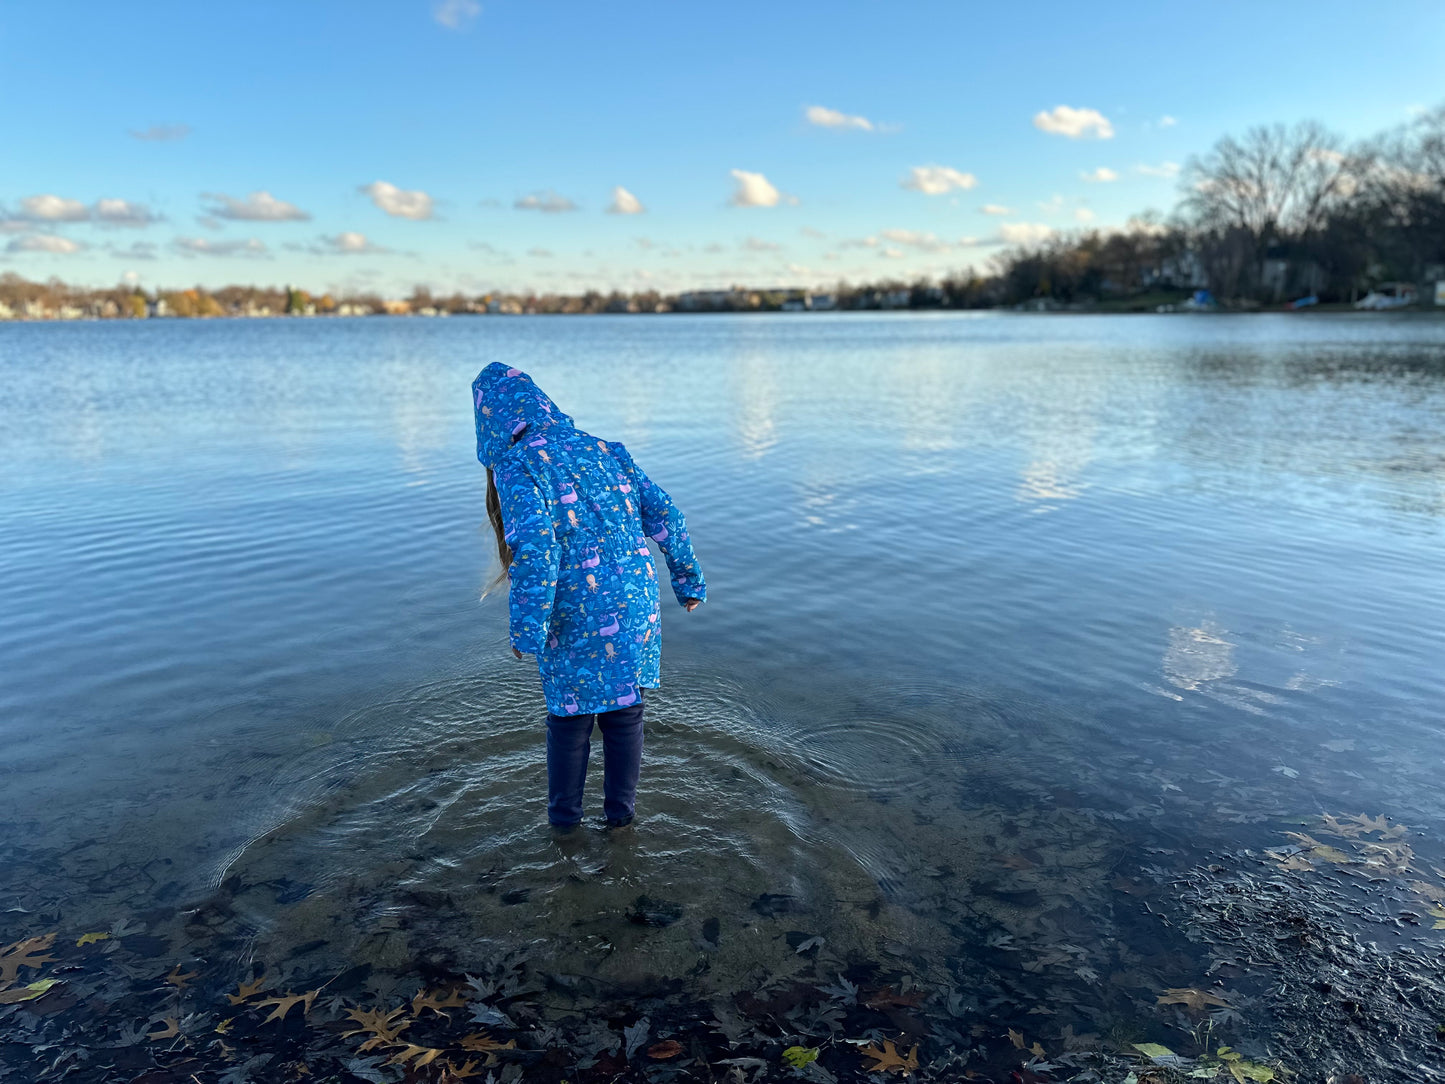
[572, 515]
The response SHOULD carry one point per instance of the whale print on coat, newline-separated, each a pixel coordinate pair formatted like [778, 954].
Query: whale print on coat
[579, 547]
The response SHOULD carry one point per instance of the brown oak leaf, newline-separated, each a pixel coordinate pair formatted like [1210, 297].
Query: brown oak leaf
[171, 1027]
[246, 990]
[437, 1003]
[178, 980]
[280, 1006]
[1194, 999]
[384, 1027]
[26, 953]
[424, 1055]
[889, 1060]
[668, 1048]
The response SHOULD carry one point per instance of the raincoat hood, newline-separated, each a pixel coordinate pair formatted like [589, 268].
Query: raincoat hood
[506, 403]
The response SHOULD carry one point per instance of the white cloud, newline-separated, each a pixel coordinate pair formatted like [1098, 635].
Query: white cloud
[162, 133]
[119, 212]
[970, 242]
[350, 243]
[204, 246]
[893, 253]
[810, 231]
[1075, 123]
[1053, 205]
[831, 118]
[1083, 214]
[53, 209]
[714, 249]
[757, 244]
[624, 203]
[1163, 169]
[1166, 121]
[936, 180]
[1024, 233]
[753, 190]
[548, 202]
[399, 202]
[540, 253]
[915, 239]
[996, 209]
[456, 14]
[1102, 175]
[44, 242]
[257, 207]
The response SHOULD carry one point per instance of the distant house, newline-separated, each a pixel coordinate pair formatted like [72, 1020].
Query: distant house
[396, 308]
[824, 302]
[6, 312]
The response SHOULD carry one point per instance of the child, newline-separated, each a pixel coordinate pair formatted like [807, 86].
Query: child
[572, 515]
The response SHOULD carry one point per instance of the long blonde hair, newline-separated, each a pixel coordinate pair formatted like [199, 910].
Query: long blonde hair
[494, 513]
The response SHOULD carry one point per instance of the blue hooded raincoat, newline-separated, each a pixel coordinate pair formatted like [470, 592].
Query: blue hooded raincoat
[577, 513]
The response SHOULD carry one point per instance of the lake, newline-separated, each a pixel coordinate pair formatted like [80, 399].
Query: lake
[1065, 680]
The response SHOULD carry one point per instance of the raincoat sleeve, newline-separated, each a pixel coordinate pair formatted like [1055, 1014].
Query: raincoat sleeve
[663, 522]
[527, 525]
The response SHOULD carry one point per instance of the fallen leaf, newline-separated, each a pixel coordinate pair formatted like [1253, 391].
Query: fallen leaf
[886, 998]
[483, 1043]
[800, 1057]
[170, 1030]
[39, 988]
[671, 1048]
[453, 1072]
[1037, 1050]
[283, 1005]
[1017, 1038]
[436, 1004]
[225, 1025]
[91, 938]
[1438, 914]
[1320, 850]
[424, 1055]
[178, 980]
[26, 953]
[245, 990]
[889, 1060]
[1154, 1050]
[1194, 999]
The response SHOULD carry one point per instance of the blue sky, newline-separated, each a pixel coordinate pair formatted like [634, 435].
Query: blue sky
[479, 145]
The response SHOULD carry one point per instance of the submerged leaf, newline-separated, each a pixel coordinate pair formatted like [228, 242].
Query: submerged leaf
[283, 1005]
[889, 1060]
[1194, 999]
[1154, 1050]
[799, 1056]
[36, 989]
[91, 938]
[26, 953]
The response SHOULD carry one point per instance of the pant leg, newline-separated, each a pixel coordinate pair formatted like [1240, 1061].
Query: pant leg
[622, 760]
[568, 746]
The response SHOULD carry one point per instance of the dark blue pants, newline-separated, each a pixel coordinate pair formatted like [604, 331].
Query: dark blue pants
[569, 741]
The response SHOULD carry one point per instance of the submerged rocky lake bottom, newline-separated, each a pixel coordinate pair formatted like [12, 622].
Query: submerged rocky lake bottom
[1067, 706]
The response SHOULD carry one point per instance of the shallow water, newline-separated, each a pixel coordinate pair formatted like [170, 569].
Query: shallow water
[1016, 624]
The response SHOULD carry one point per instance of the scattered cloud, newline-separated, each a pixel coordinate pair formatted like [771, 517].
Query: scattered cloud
[892, 254]
[210, 223]
[540, 253]
[1166, 121]
[1024, 233]
[645, 242]
[257, 207]
[624, 203]
[162, 133]
[1053, 205]
[1074, 123]
[914, 239]
[548, 202]
[349, 243]
[753, 190]
[1083, 214]
[1163, 169]
[996, 209]
[757, 244]
[831, 118]
[119, 212]
[936, 180]
[1102, 175]
[809, 231]
[399, 202]
[714, 249]
[53, 209]
[44, 242]
[204, 246]
[456, 14]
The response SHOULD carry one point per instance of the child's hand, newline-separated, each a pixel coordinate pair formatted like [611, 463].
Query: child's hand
[692, 604]
[518, 653]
